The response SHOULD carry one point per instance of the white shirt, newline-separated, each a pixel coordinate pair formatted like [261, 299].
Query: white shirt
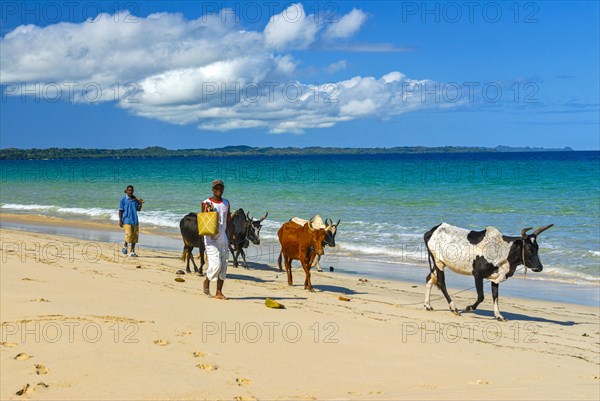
[222, 208]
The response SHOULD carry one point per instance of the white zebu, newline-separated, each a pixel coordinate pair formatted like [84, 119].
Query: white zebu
[484, 254]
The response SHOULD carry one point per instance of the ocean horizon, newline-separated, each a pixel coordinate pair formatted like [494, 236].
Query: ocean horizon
[385, 202]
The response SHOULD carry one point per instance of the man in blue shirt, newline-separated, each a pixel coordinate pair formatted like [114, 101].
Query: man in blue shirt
[128, 219]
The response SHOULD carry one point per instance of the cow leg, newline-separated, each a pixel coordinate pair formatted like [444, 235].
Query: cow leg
[497, 314]
[191, 257]
[480, 295]
[429, 282]
[233, 254]
[319, 263]
[186, 258]
[244, 257]
[442, 285]
[307, 283]
[288, 269]
[279, 261]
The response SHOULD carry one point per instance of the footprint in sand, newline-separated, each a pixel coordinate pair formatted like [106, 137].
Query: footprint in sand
[199, 354]
[161, 342]
[28, 389]
[206, 366]
[10, 345]
[41, 370]
[245, 398]
[243, 382]
[22, 356]
[39, 300]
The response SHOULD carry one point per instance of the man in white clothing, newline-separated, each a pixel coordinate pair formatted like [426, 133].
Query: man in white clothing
[217, 245]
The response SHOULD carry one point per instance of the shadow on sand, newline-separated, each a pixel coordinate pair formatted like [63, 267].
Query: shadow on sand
[520, 317]
[337, 289]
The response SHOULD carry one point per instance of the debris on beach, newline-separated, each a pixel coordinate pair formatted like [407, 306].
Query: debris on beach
[138, 267]
[273, 304]
[161, 342]
[341, 298]
[22, 356]
[363, 280]
[180, 272]
[179, 279]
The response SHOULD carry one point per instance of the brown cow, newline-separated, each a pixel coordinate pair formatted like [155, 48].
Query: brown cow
[301, 243]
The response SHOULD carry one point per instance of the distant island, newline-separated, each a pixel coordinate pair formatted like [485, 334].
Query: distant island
[157, 151]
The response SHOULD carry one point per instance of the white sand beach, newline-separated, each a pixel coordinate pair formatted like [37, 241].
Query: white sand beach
[80, 321]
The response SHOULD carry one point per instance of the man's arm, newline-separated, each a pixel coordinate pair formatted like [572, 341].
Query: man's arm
[139, 206]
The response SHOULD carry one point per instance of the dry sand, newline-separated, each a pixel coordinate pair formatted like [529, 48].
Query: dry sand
[81, 321]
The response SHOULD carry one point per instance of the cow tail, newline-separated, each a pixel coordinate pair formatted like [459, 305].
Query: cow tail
[279, 260]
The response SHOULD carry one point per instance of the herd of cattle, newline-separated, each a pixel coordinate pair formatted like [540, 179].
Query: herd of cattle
[485, 255]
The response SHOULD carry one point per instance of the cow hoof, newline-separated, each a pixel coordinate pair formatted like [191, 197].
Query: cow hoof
[469, 309]
[456, 312]
[500, 319]
[429, 307]
[319, 270]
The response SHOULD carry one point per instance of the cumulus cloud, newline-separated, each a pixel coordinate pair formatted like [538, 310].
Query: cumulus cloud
[347, 25]
[291, 28]
[206, 71]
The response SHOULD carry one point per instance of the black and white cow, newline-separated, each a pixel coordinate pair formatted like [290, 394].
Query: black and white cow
[241, 230]
[484, 254]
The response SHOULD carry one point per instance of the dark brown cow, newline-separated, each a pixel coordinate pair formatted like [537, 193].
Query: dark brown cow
[301, 243]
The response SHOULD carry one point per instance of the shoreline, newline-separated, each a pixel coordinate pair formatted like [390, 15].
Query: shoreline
[381, 344]
[156, 239]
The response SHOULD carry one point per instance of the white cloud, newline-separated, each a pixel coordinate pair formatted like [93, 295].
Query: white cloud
[337, 66]
[292, 28]
[204, 72]
[347, 25]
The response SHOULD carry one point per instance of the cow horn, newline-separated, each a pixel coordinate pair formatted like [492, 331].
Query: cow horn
[248, 216]
[338, 223]
[265, 216]
[524, 232]
[542, 229]
[326, 220]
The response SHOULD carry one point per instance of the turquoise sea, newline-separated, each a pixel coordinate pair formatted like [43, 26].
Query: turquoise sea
[385, 203]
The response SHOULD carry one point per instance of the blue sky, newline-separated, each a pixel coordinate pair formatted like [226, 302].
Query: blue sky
[360, 74]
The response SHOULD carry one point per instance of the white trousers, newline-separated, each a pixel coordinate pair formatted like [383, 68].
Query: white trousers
[216, 252]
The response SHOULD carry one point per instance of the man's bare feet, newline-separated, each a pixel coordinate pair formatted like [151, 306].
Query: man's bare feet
[219, 295]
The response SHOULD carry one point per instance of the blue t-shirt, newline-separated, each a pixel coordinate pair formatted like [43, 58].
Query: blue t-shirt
[129, 207]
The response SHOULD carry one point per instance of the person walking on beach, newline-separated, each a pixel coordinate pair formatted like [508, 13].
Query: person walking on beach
[217, 245]
[128, 218]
